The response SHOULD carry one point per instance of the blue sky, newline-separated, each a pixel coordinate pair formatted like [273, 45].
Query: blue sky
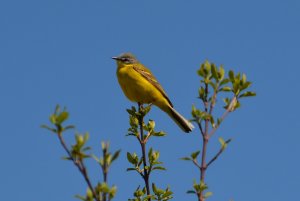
[59, 52]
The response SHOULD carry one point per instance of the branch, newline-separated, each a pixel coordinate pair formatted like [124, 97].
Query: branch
[143, 146]
[147, 137]
[205, 139]
[79, 164]
[105, 170]
[213, 101]
[228, 110]
[200, 127]
[218, 154]
[196, 163]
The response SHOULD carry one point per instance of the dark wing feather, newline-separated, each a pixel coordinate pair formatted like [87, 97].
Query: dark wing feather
[150, 78]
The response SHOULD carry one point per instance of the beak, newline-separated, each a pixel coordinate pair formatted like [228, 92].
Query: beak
[115, 58]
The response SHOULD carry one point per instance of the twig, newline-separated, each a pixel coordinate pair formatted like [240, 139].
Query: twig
[228, 110]
[218, 154]
[205, 139]
[80, 165]
[196, 163]
[105, 171]
[147, 137]
[143, 146]
[213, 101]
[201, 129]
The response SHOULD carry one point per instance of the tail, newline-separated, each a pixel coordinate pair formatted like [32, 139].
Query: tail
[184, 124]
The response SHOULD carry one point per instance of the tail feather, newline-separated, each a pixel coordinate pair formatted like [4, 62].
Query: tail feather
[184, 124]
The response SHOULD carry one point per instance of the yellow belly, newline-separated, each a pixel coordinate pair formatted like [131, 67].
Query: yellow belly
[136, 87]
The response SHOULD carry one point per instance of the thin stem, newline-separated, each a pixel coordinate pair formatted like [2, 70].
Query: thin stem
[203, 166]
[206, 102]
[80, 165]
[218, 154]
[105, 170]
[196, 163]
[143, 146]
[200, 127]
[204, 147]
[228, 110]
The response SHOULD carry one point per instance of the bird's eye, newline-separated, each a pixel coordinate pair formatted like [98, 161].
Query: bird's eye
[124, 59]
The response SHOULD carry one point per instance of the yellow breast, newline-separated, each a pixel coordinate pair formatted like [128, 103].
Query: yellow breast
[135, 86]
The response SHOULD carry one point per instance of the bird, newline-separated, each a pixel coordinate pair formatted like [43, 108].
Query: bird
[139, 85]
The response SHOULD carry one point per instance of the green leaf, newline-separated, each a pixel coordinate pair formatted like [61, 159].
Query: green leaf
[166, 194]
[103, 187]
[86, 136]
[66, 158]
[203, 186]
[52, 118]
[186, 158]
[236, 105]
[213, 85]
[195, 111]
[150, 153]
[244, 78]
[214, 71]
[195, 154]
[103, 145]
[245, 85]
[191, 192]
[151, 125]
[63, 116]
[130, 158]
[89, 193]
[153, 156]
[207, 68]
[116, 155]
[159, 134]
[219, 121]
[154, 188]
[159, 192]
[207, 194]
[212, 121]
[225, 81]
[231, 75]
[95, 158]
[226, 88]
[147, 109]
[196, 186]
[69, 127]
[79, 140]
[133, 121]
[201, 93]
[159, 168]
[201, 71]
[132, 111]
[80, 197]
[138, 193]
[140, 162]
[236, 86]
[48, 128]
[222, 142]
[57, 109]
[247, 94]
[113, 191]
[221, 73]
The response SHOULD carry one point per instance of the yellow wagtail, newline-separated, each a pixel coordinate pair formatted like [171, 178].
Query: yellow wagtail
[139, 85]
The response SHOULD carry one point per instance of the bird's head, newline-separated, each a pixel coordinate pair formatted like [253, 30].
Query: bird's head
[126, 58]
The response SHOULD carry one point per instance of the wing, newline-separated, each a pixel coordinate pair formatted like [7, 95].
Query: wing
[150, 78]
